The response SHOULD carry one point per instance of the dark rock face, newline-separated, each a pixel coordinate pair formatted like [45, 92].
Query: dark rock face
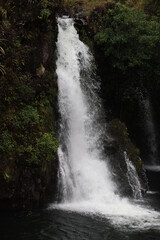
[80, 15]
[119, 169]
[153, 175]
[119, 144]
[29, 189]
[79, 22]
[77, 13]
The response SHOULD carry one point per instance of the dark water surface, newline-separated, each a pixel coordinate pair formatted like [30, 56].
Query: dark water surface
[57, 224]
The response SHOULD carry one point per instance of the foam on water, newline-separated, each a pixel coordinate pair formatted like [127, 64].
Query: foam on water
[122, 213]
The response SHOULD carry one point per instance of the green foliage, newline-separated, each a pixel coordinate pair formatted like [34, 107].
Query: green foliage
[47, 146]
[130, 39]
[47, 3]
[6, 175]
[44, 14]
[17, 43]
[41, 150]
[127, 42]
[25, 93]
[7, 143]
[45, 10]
[26, 118]
[27, 141]
[3, 12]
[152, 6]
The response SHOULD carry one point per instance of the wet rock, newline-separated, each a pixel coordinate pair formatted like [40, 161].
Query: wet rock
[120, 143]
[79, 22]
[79, 16]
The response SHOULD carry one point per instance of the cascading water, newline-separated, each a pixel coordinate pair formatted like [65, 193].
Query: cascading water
[133, 178]
[85, 181]
[150, 131]
[83, 172]
[150, 134]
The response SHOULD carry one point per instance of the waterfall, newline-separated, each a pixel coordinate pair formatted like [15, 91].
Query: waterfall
[83, 172]
[150, 131]
[84, 178]
[133, 178]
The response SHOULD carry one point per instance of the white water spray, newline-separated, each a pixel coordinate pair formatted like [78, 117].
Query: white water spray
[84, 176]
[83, 172]
[133, 178]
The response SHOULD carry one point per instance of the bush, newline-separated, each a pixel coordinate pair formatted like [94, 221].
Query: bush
[47, 146]
[26, 117]
[44, 149]
[130, 39]
[7, 143]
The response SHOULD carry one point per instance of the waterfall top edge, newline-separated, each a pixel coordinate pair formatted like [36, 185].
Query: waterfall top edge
[65, 22]
[65, 16]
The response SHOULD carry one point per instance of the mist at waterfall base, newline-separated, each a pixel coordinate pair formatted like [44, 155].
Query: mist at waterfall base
[85, 181]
